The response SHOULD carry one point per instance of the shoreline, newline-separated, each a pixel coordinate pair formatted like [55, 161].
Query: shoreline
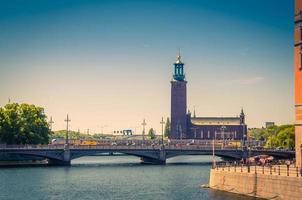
[275, 182]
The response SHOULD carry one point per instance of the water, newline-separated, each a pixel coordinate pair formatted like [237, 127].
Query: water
[118, 177]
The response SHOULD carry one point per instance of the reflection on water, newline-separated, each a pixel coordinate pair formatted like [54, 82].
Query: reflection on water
[116, 177]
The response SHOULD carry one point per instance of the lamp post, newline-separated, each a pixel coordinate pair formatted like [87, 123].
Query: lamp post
[67, 120]
[144, 125]
[213, 151]
[162, 130]
[50, 123]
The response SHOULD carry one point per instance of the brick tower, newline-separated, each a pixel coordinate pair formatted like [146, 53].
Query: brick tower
[178, 102]
[298, 80]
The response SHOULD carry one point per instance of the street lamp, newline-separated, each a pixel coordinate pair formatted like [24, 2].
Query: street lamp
[67, 120]
[50, 123]
[162, 130]
[213, 151]
[144, 125]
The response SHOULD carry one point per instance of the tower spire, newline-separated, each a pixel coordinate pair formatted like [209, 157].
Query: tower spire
[178, 69]
[178, 57]
[242, 117]
[194, 114]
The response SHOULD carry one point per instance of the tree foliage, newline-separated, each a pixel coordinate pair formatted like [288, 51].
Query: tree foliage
[77, 135]
[23, 124]
[282, 136]
[167, 128]
[151, 134]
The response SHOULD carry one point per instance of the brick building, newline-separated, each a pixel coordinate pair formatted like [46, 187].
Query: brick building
[298, 80]
[185, 126]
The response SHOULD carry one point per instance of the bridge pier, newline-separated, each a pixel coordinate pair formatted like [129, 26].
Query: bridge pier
[52, 162]
[66, 158]
[153, 161]
[161, 160]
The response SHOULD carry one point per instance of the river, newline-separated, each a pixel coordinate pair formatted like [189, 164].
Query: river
[115, 177]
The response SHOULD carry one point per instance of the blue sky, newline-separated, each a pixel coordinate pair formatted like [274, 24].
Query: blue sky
[110, 62]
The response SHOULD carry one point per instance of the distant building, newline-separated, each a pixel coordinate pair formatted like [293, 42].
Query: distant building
[184, 126]
[179, 119]
[126, 132]
[217, 127]
[268, 124]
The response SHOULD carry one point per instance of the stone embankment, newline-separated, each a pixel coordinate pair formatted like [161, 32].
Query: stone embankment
[268, 182]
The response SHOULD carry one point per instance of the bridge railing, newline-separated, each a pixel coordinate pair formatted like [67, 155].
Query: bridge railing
[148, 147]
[113, 147]
[30, 147]
[206, 147]
[268, 169]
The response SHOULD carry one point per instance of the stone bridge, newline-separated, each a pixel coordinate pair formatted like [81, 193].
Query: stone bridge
[62, 155]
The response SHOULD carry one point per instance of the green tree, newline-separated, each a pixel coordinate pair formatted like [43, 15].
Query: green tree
[280, 136]
[271, 142]
[76, 135]
[258, 134]
[276, 136]
[286, 137]
[23, 124]
[167, 128]
[151, 134]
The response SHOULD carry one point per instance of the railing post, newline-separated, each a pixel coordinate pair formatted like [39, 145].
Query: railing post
[241, 168]
[297, 171]
[287, 169]
[278, 169]
[270, 170]
[262, 169]
[235, 167]
[255, 169]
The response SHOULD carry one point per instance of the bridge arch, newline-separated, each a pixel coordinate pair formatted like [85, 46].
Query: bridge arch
[146, 156]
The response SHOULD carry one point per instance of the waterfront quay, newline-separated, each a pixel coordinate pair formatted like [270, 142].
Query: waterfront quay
[266, 181]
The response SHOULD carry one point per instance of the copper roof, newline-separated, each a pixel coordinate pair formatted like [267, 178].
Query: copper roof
[217, 121]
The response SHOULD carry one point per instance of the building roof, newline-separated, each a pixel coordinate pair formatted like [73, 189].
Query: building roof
[216, 121]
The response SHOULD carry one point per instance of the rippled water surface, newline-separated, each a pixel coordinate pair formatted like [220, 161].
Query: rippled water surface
[117, 177]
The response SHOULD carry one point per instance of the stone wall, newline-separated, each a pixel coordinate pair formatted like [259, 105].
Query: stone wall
[257, 185]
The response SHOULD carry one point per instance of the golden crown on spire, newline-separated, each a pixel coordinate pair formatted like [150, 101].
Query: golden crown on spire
[178, 58]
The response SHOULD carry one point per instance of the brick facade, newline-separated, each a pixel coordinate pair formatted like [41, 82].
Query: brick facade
[178, 109]
[298, 80]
